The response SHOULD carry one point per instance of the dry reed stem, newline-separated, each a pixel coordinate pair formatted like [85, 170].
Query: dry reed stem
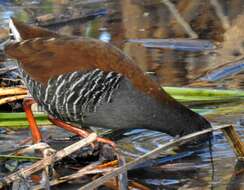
[6, 91]
[93, 168]
[179, 18]
[87, 170]
[234, 140]
[220, 13]
[25, 172]
[33, 147]
[11, 99]
[81, 172]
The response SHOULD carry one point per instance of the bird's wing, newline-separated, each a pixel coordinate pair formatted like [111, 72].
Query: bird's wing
[43, 58]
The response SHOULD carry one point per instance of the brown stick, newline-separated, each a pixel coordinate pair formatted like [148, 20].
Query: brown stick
[108, 164]
[25, 172]
[11, 99]
[141, 159]
[136, 185]
[234, 140]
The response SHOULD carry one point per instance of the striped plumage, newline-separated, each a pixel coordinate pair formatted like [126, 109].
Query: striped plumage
[70, 96]
[90, 82]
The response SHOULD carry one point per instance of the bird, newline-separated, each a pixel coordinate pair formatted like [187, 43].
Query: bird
[84, 81]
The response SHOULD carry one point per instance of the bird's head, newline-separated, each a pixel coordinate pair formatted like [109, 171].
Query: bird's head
[19, 31]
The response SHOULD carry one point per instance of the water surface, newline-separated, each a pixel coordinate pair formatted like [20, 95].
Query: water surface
[120, 22]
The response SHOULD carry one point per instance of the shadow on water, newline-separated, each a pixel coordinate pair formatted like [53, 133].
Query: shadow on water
[142, 29]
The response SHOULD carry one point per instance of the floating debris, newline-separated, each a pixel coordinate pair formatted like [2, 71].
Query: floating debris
[51, 23]
[224, 71]
[180, 44]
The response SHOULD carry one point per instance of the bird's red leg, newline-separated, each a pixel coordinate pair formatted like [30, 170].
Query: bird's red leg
[35, 132]
[78, 131]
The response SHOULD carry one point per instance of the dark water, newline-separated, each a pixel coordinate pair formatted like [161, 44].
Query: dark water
[124, 23]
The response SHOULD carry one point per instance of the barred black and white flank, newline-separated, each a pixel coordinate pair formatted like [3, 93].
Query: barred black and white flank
[71, 96]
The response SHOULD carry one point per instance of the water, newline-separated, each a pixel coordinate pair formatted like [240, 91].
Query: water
[120, 22]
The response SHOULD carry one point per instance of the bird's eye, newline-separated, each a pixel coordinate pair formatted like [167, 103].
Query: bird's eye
[11, 35]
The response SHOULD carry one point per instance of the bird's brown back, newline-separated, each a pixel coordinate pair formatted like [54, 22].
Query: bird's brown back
[45, 57]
